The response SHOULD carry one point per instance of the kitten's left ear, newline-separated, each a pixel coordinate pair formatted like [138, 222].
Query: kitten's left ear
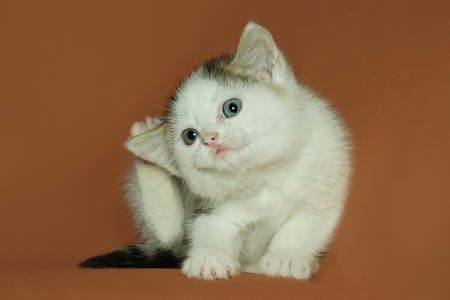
[154, 146]
[257, 51]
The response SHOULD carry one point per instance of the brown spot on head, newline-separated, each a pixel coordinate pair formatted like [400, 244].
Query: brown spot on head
[223, 70]
[220, 69]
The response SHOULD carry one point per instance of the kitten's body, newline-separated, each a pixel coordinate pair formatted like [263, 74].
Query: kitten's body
[259, 191]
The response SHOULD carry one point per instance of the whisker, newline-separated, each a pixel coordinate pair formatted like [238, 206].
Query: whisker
[150, 102]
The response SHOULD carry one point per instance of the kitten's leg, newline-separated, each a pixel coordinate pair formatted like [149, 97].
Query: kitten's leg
[155, 202]
[159, 206]
[296, 246]
[216, 243]
[159, 214]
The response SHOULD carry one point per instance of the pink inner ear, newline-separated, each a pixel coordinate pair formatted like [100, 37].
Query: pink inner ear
[266, 74]
[266, 65]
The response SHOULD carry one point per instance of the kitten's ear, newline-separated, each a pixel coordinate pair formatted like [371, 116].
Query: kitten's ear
[257, 51]
[154, 146]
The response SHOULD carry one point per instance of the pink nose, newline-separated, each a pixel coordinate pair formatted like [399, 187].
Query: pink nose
[209, 139]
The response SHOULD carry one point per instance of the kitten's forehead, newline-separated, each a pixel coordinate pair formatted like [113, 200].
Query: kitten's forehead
[198, 98]
[202, 93]
[210, 84]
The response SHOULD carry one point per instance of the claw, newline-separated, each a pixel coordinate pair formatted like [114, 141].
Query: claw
[229, 272]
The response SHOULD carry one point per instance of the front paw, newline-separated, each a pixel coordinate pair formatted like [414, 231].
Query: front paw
[141, 127]
[288, 264]
[210, 265]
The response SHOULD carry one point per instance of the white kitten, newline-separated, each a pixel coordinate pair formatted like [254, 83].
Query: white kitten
[249, 171]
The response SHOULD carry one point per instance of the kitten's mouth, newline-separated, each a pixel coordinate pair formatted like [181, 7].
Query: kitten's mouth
[220, 160]
[220, 152]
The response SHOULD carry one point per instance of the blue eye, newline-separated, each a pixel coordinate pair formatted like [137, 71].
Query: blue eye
[189, 136]
[231, 107]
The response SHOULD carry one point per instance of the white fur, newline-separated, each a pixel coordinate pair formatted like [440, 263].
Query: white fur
[277, 194]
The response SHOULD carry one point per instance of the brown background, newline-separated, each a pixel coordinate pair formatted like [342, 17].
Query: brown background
[74, 75]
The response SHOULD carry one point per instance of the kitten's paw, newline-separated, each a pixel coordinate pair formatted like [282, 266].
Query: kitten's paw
[285, 264]
[144, 126]
[210, 265]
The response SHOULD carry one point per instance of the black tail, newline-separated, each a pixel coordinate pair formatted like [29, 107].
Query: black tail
[133, 257]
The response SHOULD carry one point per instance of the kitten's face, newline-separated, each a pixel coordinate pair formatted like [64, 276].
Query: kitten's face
[228, 126]
[230, 115]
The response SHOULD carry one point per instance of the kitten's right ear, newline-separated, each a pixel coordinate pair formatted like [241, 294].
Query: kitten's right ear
[154, 146]
[257, 51]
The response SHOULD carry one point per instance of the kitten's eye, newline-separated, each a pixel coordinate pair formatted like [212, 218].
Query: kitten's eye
[189, 136]
[231, 107]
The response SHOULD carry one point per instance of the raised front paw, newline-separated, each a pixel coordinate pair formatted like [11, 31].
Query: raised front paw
[288, 264]
[144, 126]
[210, 265]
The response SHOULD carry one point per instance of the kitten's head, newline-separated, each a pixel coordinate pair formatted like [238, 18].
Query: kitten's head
[230, 115]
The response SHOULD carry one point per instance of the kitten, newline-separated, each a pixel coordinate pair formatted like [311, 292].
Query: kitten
[247, 172]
